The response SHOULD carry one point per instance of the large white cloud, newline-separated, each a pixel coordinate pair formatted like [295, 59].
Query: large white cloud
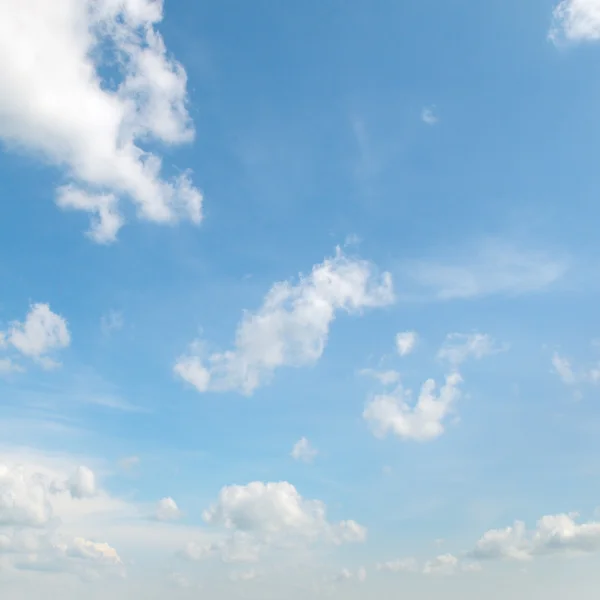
[260, 515]
[576, 20]
[290, 328]
[86, 83]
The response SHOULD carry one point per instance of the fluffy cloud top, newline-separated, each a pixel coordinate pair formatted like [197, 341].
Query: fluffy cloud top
[58, 66]
[576, 20]
[167, 510]
[395, 413]
[290, 328]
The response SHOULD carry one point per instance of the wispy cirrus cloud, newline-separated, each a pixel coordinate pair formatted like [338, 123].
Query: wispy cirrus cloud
[493, 267]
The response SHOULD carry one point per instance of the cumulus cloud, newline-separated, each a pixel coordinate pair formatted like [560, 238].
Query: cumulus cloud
[290, 328]
[458, 347]
[303, 451]
[576, 20]
[41, 334]
[492, 268]
[167, 510]
[24, 498]
[444, 564]
[553, 534]
[423, 420]
[87, 86]
[360, 575]
[406, 342]
[260, 515]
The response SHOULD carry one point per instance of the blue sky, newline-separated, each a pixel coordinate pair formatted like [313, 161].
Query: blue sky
[240, 244]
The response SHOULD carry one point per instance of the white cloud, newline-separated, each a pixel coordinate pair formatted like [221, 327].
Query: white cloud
[303, 451]
[276, 511]
[129, 462]
[97, 551]
[248, 575]
[492, 268]
[291, 327]
[42, 333]
[406, 342]
[571, 376]
[59, 105]
[458, 347]
[421, 421]
[106, 221]
[167, 510]
[24, 498]
[429, 116]
[82, 484]
[576, 20]
[445, 564]
[553, 534]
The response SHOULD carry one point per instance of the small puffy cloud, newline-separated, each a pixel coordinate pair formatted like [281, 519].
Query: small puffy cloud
[102, 90]
[96, 551]
[458, 347]
[240, 547]
[406, 342]
[445, 564]
[290, 328]
[42, 333]
[167, 510]
[423, 420]
[553, 534]
[576, 20]
[429, 116]
[348, 532]
[303, 451]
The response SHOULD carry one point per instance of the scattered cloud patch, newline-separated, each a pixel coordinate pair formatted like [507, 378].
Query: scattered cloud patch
[39, 337]
[429, 116]
[291, 328]
[303, 451]
[459, 347]
[553, 534]
[406, 342]
[167, 510]
[571, 376]
[102, 86]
